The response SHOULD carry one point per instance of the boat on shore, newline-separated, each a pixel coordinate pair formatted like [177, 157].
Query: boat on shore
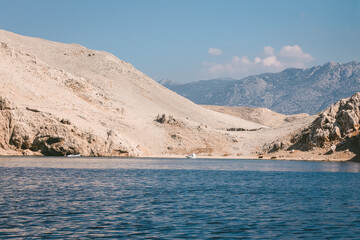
[73, 155]
[191, 155]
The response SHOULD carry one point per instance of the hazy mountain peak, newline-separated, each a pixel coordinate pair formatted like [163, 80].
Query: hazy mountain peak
[291, 91]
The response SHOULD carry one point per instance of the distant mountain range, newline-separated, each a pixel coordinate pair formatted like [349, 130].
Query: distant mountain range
[291, 91]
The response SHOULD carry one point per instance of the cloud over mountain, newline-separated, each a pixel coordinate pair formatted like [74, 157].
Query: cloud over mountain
[291, 91]
[269, 61]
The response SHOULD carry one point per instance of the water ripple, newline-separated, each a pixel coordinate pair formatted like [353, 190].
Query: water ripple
[68, 203]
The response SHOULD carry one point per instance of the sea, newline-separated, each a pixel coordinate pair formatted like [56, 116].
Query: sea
[161, 198]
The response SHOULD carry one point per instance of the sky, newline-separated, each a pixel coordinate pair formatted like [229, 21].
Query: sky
[190, 40]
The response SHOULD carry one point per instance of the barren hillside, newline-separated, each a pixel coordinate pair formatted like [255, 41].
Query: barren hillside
[65, 98]
[262, 116]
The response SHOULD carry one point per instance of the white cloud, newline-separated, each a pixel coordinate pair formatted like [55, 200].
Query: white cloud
[238, 67]
[295, 52]
[294, 56]
[268, 51]
[271, 61]
[215, 51]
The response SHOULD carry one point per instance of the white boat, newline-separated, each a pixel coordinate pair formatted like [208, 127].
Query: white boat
[73, 155]
[191, 155]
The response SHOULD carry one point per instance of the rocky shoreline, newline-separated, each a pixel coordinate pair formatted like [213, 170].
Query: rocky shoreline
[336, 131]
[58, 99]
[30, 132]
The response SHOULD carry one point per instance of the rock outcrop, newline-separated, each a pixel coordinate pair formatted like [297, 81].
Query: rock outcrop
[162, 118]
[34, 132]
[335, 129]
[334, 124]
[6, 122]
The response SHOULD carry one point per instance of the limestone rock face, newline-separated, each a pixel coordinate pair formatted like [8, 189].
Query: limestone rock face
[338, 122]
[20, 137]
[34, 132]
[6, 122]
[5, 104]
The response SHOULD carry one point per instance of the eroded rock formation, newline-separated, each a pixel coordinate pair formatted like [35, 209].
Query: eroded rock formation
[336, 128]
[35, 132]
[336, 123]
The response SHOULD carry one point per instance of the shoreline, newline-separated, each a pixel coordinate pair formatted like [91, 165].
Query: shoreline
[249, 157]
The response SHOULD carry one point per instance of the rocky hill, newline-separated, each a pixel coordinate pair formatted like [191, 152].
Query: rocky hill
[334, 133]
[262, 116]
[291, 91]
[58, 99]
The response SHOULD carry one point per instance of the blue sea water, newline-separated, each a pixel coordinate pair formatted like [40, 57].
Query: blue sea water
[58, 198]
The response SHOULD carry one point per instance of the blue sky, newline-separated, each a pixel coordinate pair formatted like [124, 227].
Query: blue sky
[190, 40]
